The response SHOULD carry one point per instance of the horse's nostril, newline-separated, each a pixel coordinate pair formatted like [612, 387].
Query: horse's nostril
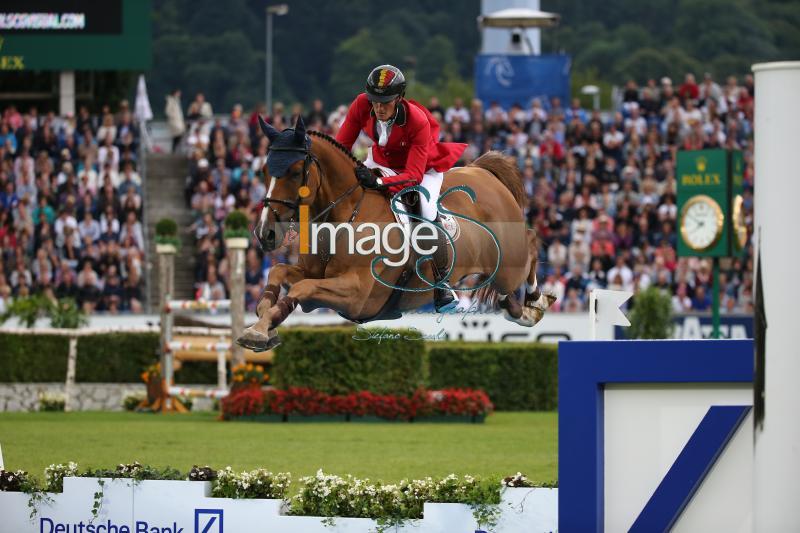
[265, 238]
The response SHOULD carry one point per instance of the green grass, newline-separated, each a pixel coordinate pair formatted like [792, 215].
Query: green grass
[505, 444]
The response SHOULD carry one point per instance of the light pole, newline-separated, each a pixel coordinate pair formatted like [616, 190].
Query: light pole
[277, 9]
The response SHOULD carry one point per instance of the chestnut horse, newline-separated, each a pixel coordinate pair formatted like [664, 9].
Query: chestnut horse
[492, 245]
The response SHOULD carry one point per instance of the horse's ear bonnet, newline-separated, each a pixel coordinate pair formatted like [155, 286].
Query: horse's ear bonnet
[286, 147]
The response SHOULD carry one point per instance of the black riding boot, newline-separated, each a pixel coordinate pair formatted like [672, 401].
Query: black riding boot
[443, 299]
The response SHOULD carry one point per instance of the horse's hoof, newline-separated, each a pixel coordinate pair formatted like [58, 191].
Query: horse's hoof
[546, 300]
[522, 320]
[255, 340]
[530, 316]
[274, 340]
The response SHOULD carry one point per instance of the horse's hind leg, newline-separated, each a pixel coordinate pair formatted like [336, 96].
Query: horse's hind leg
[535, 302]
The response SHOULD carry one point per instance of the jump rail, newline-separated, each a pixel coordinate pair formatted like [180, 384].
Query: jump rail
[197, 393]
[74, 334]
[198, 305]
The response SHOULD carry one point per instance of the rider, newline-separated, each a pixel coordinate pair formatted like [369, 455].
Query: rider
[405, 150]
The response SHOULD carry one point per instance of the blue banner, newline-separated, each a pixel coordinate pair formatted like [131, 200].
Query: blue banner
[699, 327]
[510, 79]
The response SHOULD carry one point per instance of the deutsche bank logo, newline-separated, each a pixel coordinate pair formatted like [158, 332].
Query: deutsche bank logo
[208, 521]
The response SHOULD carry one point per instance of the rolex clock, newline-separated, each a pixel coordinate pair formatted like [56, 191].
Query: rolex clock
[705, 201]
[702, 222]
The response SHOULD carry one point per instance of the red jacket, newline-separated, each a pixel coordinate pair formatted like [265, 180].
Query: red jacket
[413, 146]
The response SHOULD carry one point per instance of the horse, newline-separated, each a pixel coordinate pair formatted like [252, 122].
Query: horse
[492, 245]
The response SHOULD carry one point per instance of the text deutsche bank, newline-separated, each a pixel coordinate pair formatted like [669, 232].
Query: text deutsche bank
[46, 525]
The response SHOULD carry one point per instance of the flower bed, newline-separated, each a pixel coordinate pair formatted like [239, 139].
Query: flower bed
[320, 501]
[298, 404]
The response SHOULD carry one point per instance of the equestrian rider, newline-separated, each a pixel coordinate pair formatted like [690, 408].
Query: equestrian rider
[406, 151]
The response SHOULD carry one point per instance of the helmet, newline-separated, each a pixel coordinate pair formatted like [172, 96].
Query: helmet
[385, 83]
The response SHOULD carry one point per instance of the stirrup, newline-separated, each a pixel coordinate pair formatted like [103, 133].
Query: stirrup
[444, 299]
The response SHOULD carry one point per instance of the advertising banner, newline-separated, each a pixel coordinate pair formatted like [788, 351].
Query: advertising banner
[510, 79]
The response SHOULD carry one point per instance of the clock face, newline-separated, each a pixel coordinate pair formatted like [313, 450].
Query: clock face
[701, 223]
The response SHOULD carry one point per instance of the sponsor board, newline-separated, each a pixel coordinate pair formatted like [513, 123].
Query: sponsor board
[699, 327]
[186, 507]
[656, 436]
[468, 326]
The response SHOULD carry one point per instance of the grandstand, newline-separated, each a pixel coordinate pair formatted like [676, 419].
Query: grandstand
[600, 186]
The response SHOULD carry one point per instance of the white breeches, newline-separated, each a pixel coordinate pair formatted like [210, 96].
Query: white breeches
[431, 182]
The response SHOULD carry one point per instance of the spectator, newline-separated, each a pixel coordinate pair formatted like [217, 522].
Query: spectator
[701, 300]
[212, 288]
[621, 275]
[317, 114]
[174, 113]
[689, 90]
[457, 113]
[200, 109]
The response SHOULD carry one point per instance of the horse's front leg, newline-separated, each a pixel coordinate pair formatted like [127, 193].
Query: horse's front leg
[257, 337]
[343, 293]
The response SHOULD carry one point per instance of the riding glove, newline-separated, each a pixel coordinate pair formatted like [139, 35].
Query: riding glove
[368, 179]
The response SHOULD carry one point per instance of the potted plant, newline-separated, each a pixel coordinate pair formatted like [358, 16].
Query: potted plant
[236, 232]
[167, 240]
[651, 317]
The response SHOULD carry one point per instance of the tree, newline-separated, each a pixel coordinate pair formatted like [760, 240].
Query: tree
[352, 62]
[437, 56]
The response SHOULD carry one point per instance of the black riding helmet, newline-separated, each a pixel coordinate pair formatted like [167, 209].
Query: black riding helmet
[385, 83]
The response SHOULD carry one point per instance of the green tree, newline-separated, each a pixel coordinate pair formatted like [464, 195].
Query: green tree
[436, 57]
[352, 62]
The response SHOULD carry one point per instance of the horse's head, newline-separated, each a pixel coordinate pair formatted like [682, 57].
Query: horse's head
[288, 168]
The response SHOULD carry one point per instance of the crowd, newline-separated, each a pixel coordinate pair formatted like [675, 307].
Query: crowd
[601, 187]
[71, 208]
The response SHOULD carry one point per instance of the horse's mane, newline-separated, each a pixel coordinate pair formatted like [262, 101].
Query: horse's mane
[336, 144]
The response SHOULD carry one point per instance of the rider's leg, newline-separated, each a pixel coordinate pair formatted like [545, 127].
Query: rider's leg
[444, 299]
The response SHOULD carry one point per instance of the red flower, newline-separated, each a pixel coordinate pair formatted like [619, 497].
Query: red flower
[308, 402]
[246, 401]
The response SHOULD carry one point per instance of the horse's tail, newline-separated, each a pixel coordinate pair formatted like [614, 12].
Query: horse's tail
[504, 169]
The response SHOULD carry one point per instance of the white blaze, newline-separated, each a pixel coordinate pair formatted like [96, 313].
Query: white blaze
[265, 211]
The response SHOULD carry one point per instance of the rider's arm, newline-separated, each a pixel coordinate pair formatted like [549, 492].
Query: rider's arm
[353, 122]
[416, 162]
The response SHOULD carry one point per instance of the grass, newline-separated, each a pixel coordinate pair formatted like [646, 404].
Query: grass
[505, 444]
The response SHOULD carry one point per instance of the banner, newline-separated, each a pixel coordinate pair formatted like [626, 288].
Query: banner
[510, 79]
[699, 327]
[129, 506]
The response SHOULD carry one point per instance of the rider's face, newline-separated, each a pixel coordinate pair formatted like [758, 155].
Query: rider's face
[384, 111]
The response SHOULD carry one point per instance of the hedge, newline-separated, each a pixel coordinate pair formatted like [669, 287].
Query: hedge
[108, 358]
[516, 376]
[332, 361]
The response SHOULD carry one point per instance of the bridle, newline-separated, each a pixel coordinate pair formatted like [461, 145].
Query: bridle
[309, 160]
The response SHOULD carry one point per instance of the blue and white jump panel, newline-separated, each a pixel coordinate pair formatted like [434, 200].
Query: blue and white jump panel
[655, 436]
